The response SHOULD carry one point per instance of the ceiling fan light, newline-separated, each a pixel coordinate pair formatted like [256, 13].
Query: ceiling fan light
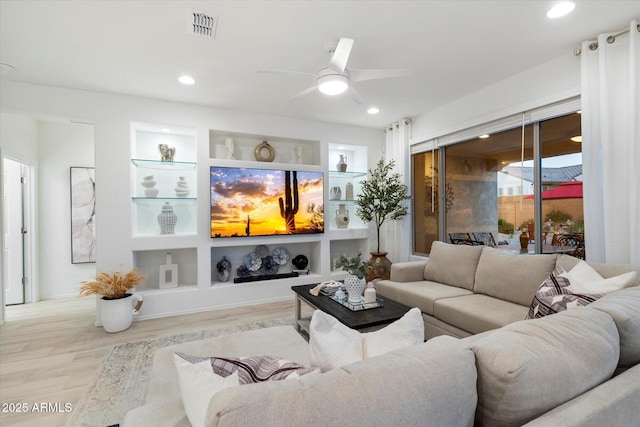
[333, 84]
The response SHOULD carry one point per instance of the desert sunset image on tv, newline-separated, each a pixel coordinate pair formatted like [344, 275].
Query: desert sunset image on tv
[262, 202]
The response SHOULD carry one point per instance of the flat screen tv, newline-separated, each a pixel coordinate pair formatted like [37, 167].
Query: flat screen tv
[265, 202]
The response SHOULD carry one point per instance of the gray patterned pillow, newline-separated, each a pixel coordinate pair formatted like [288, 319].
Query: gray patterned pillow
[553, 296]
[253, 369]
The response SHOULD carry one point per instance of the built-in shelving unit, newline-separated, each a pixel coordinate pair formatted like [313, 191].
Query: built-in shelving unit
[192, 249]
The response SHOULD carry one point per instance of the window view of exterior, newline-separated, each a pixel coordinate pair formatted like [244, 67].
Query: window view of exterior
[490, 187]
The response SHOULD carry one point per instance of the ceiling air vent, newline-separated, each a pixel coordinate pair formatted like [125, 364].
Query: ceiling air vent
[201, 24]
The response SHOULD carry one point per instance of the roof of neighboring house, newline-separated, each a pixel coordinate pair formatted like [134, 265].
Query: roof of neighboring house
[549, 175]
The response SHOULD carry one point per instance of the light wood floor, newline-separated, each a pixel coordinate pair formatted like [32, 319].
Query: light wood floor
[50, 350]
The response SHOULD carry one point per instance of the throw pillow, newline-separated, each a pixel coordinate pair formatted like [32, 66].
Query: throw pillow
[198, 384]
[332, 344]
[585, 279]
[554, 295]
[252, 369]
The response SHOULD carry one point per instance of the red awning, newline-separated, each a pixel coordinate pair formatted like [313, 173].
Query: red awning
[566, 190]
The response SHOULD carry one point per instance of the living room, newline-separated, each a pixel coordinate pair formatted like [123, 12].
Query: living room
[61, 127]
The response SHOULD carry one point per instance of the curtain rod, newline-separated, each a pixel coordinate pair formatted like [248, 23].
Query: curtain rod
[593, 46]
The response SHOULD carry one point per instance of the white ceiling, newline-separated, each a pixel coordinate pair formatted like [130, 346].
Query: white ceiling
[140, 48]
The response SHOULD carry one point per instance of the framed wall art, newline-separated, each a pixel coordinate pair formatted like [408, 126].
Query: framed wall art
[83, 215]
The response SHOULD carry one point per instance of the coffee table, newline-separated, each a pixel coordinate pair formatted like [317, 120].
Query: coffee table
[363, 320]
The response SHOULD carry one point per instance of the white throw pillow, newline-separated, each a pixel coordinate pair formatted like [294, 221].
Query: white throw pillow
[332, 344]
[586, 280]
[198, 384]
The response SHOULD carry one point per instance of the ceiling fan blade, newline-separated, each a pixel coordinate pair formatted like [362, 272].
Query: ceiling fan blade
[307, 91]
[355, 95]
[362, 75]
[262, 71]
[341, 55]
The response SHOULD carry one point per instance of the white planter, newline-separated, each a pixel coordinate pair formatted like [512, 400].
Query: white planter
[354, 287]
[117, 314]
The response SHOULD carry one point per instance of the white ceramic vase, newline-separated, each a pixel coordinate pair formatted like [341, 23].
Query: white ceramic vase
[354, 286]
[117, 314]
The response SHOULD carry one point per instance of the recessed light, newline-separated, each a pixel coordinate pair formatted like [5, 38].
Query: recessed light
[577, 138]
[186, 80]
[485, 136]
[579, 111]
[373, 110]
[561, 9]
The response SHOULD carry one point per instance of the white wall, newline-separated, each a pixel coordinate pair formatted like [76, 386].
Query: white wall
[112, 116]
[61, 145]
[547, 83]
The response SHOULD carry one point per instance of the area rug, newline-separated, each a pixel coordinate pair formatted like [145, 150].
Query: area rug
[121, 381]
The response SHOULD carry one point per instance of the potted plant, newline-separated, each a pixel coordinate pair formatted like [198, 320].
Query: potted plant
[381, 200]
[355, 281]
[116, 304]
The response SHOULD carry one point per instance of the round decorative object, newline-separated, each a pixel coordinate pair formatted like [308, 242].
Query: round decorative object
[262, 251]
[281, 255]
[264, 152]
[167, 219]
[354, 286]
[243, 271]
[300, 262]
[182, 190]
[269, 266]
[224, 269]
[253, 262]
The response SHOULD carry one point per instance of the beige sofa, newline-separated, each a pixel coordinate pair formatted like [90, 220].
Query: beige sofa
[559, 370]
[466, 290]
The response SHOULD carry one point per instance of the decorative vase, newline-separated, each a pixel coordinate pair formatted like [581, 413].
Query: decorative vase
[224, 269]
[300, 262]
[354, 286]
[182, 190]
[348, 191]
[167, 219]
[379, 266]
[524, 241]
[168, 273]
[342, 164]
[117, 314]
[342, 217]
[149, 186]
[335, 193]
[370, 293]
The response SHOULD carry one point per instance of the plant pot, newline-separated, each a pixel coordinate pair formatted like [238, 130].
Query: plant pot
[379, 266]
[117, 314]
[524, 241]
[354, 286]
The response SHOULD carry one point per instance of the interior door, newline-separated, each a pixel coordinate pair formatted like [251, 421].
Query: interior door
[13, 193]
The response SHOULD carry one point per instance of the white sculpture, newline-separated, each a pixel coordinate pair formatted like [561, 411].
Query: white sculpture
[230, 148]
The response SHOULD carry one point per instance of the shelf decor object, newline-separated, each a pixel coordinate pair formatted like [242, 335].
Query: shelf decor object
[342, 164]
[264, 152]
[342, 216]
[182, 189]
[223, 268]
[168, 273]
[168, 153]
[149, 185]
[167, 219]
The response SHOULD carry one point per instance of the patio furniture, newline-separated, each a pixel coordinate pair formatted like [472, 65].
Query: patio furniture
[462, 239]
[484, 238]
[571, 240]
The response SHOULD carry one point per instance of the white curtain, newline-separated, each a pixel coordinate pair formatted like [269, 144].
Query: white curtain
[396, 236]
[611, 146]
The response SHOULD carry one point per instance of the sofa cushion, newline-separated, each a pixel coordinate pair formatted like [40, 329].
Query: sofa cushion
[512, 277]
[386, 391]
[332, 344]
[453, 265]
[478, 313]
[624, 307]
[527, 368]
[422, 294]
[585, 279]
[198, 383]
[555, 294]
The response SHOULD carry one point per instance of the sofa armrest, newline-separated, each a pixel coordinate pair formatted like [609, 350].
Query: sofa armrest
[411, 271]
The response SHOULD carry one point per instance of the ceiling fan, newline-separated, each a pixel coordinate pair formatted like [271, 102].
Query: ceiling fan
[337, 78]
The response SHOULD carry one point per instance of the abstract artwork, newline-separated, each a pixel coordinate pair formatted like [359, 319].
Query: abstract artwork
[83, 215]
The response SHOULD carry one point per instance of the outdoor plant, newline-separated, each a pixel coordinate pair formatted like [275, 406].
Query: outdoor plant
[112, 286]
[382, 196]
[354, 265]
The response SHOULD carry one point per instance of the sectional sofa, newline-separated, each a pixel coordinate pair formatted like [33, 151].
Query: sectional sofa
[578, 367]
[466, 290]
